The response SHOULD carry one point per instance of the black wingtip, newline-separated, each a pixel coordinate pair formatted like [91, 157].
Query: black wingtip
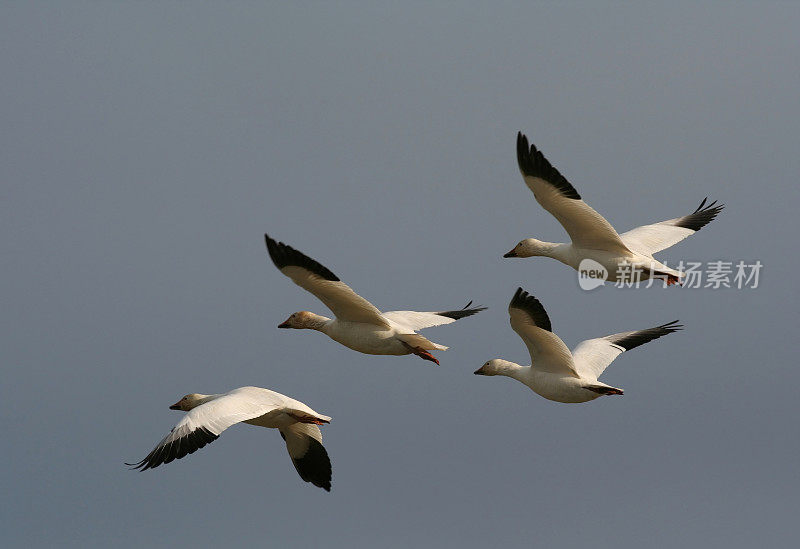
[669, 327]
[632, 340]
[463, 312]
[176, 449]
[141, 465]
[701, 216]
[315, 465]
[532, 163]
[283, 255]
[533, 307]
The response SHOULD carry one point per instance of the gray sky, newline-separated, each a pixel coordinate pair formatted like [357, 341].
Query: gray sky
[147, 148]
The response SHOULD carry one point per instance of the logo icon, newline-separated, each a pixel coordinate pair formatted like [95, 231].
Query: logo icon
[591, 274]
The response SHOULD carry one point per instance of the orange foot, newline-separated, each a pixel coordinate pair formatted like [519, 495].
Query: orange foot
[309, 419]
[605, 390]
[672, 279]
[425, 355]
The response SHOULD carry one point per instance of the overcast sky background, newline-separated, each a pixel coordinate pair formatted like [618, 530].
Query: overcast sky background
[145, 149]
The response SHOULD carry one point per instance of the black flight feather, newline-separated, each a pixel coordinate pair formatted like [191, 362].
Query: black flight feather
[283, 255]
[630, 340]
[461, 313]
[524, 301]
[533, 163]
[701, 217]
[176, 449]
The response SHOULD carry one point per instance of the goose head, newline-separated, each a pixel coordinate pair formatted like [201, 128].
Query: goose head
[192, 400]
[495, 367]
[303, 319]
[530, 247]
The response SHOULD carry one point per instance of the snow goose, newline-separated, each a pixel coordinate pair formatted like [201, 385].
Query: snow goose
[209, 415]
[358, 325]
[555, 373]
[592, 236]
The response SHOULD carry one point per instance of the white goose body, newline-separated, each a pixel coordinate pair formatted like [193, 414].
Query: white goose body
[367, 338]
[557, 387]
[358, 324]
[209, 415]
[556, 373]
[592, 236]
[617, 266]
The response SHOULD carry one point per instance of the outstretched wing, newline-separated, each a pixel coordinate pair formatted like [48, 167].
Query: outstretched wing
[416, 320]
[587, 228]
[593, 356]
[649, 239]
[304, 443]
[204, 424]
[317, 279]
[530, 321]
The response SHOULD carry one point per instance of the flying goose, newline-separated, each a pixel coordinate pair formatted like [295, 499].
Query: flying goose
[358, 325]
[555, 373]
[592, 236]
[209, 415]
